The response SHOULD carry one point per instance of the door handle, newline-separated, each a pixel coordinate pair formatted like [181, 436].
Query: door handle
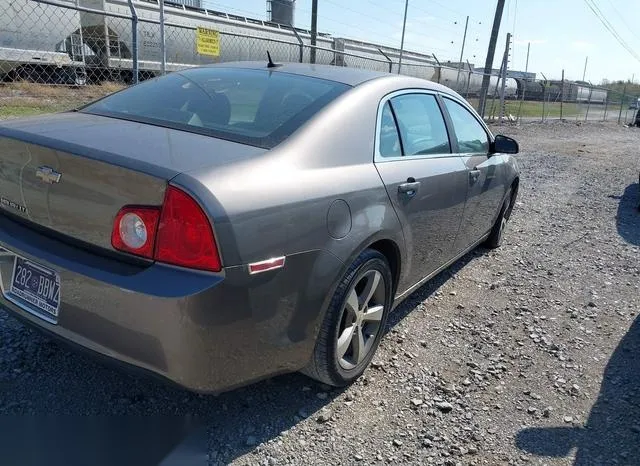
[409, 188]
[474, 175]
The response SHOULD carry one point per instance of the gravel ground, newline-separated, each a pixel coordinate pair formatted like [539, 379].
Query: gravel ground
[523, 355]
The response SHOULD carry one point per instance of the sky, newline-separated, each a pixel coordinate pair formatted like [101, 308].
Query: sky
[562, 33]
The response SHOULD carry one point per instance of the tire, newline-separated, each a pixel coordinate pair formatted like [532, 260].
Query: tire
[339, 361]
[497, 232]
[638, 206]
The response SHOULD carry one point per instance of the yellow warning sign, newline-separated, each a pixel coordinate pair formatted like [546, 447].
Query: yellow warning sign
[208, 42]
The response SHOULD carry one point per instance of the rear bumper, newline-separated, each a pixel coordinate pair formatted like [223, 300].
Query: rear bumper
[205, 332]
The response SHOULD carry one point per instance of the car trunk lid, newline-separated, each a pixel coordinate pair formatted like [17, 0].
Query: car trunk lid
[71, 173]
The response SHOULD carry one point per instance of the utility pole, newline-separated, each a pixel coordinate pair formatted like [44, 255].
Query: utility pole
[464, 39]
[505, 64]
[584, 73]
[404, 26]
[488, 65]
[314, 30]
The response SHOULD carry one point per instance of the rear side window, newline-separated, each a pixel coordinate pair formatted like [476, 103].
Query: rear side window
[249, 106]
[421, 124]
[471, 136]
[389, 145]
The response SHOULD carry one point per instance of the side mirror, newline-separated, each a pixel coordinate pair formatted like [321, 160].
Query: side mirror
[504, 145]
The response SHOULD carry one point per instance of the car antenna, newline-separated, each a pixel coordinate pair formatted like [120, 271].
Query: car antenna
[271, 64]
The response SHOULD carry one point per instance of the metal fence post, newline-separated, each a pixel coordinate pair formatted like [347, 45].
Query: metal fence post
[606, 105]
[387, 58]
[580, 95]
[338, 52]
[439, 67]
[163, 48]
[301, 58]
[134, 41]
[544, 99]
[562, 95]
[586, 115]
[624, 91]
[466, 93]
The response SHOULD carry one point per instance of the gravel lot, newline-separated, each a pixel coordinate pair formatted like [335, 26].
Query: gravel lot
[523, 355]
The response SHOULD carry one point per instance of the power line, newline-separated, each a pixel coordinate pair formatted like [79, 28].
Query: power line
[596, 11]
[385, 21]
[623, 20]
[413, 6]
[411, 29]
[252, 14]
[368, 34]
[441, 5]
[594, 8]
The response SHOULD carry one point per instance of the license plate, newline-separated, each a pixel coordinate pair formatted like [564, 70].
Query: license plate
[36, 285]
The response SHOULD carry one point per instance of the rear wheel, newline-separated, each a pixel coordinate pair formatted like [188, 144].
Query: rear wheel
[354, 323]
[497, 232]
[638, 192]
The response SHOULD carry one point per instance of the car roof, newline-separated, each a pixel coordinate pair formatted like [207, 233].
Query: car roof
[341, 74]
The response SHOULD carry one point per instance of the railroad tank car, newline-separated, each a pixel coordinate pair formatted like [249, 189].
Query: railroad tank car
[32, 42]
[57, 36]
[469, 83]
[593, 95]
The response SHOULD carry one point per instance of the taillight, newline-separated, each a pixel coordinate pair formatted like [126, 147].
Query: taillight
[185, 236]
[179, 234]
[134, 230]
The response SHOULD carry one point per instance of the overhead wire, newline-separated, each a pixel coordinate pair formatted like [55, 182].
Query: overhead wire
[435, 2]
[598, 13]
[218, 6]
[631, 29]
[384, 21]
[410, 29]
[367, 33]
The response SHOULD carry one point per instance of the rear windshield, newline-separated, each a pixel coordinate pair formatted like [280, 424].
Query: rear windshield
[255, 107]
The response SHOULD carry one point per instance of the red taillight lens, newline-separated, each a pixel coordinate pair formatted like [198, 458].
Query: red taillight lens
[185, 237]
[179, 233]
[134, 230]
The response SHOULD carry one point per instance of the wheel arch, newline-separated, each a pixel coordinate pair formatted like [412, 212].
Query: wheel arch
[389, 244]
[515, 186]
[391, 251]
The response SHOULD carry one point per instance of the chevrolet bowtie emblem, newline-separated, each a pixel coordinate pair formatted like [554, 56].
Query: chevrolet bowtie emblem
[48, 175]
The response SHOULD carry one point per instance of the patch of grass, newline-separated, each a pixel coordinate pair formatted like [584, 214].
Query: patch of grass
[530, 108]
[535, 109]
[25, 99]
[59, 92]
[17, 111]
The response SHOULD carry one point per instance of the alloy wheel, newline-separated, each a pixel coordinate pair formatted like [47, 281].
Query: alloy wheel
[361, 319]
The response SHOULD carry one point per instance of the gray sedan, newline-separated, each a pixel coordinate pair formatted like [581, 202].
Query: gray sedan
[223, 224]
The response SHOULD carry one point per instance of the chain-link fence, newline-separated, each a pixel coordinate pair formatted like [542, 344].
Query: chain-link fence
[58, 54]
[544, 100]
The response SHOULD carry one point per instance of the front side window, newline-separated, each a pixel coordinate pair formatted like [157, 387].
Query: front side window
[421, 125]
[249, 106]
[471, 136]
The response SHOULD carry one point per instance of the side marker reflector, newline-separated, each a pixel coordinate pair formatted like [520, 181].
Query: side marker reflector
[264, 266]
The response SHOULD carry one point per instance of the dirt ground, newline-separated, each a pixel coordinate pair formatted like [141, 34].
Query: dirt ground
[528, 354]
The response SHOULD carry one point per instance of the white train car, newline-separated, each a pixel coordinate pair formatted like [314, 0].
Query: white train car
[33, 42]
[60, 40]
[593, 95]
